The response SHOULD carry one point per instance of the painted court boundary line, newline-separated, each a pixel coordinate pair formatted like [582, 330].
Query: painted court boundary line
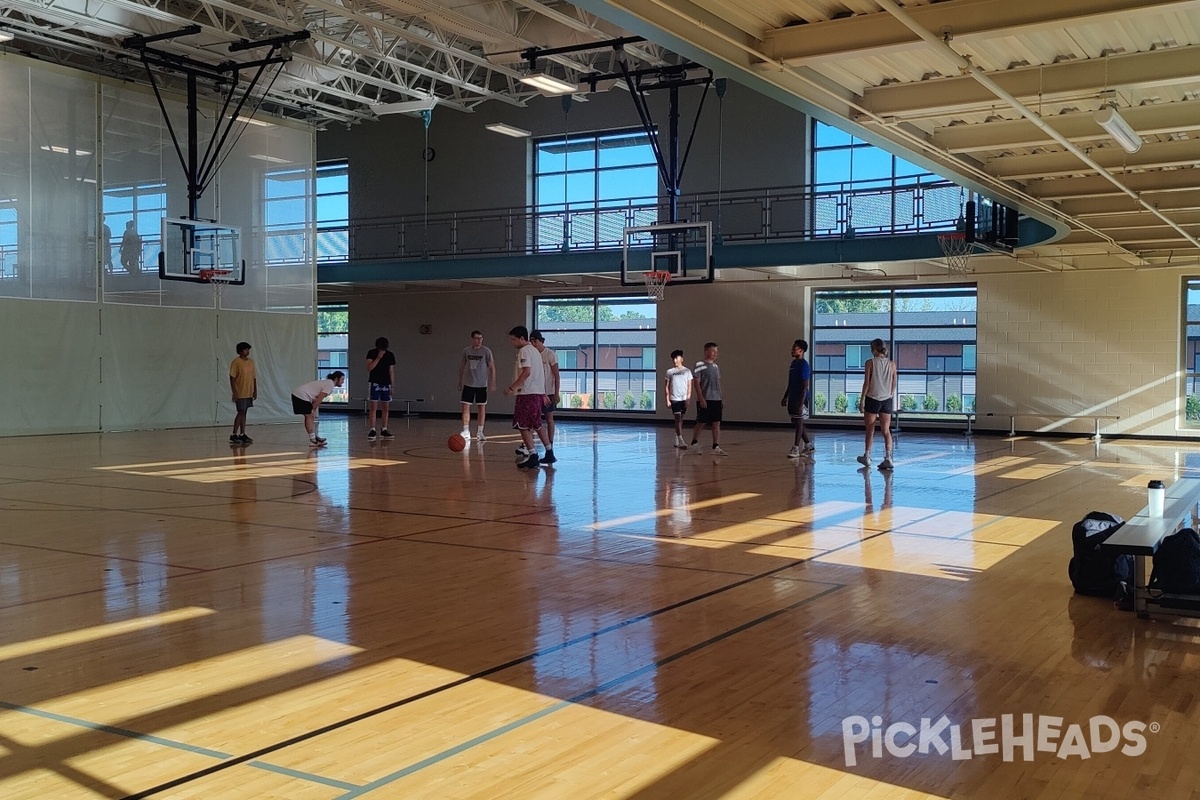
[334, 726]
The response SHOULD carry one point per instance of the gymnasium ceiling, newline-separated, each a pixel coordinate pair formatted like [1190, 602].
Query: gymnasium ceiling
[1000, 93]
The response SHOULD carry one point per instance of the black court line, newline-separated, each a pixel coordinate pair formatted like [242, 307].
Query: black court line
[334, 726]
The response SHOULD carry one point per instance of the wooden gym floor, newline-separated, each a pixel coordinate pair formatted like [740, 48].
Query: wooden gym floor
[182, 619]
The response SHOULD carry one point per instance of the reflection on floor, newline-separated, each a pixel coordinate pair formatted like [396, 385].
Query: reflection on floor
[179, 618]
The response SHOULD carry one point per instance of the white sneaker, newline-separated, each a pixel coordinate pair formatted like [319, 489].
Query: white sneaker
[865, 460]
[522, 451]
[479, 437]
[466, 433]
[680, 443]
[794, 452]
[717, 451]
[810, 447]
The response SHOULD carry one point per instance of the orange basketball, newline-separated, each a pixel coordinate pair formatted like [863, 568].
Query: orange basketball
[456, 443]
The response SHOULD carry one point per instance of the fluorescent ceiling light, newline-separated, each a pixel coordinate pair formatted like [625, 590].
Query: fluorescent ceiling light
[548, 84]
[251, 121]
[54, 148]
[271, 159]
[1118, 129]
[508, 130]
[6, 36]
[406, 107]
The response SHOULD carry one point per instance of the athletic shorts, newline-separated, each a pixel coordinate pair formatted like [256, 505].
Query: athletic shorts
[797, 411]
[678, 406]
[873, 406]
[474, 395]
[243, 403]
[381, 393]
[527, 412]
[549, 408]
[301, 406]
[710, 414]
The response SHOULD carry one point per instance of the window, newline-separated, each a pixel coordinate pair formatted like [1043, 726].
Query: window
[287, 212]
[8, 239]
[333, 341]
[588, 188]
[333, 211]
[143, 204]
[861, 187]
[1191, 353]
[930, 334]
[606, 348]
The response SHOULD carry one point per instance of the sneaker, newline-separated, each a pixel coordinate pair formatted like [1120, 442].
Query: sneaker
[810, 447]
[794, 452]
[466, 434]
[386, 434]
[717, 451]
[235, 439]
[865, 460]
[549, 457]
[319, 440]
[371, 435]
[479, 437]
[529, 463]
[680, 443]
[315, 443]
[521, 451]
[886, 464]
[244, 439]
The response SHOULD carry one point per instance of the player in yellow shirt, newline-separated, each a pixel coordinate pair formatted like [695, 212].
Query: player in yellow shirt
[245, 391]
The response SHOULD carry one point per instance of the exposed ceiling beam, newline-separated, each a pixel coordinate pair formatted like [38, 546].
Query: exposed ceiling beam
[1132, 221]
[1052, 83]
[1147, 120]
[1183, 153]
[1100, 206]
[880, 34]
[1141, 182]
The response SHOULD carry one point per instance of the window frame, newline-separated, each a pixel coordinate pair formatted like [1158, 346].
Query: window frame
[341, 395]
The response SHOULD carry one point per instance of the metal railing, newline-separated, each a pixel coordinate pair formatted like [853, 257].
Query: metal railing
[787, 213]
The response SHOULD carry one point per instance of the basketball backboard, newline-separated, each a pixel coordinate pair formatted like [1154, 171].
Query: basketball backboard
[684, 249]
[191, 246]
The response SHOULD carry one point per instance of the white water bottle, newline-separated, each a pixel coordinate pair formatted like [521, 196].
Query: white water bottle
[1158, 498]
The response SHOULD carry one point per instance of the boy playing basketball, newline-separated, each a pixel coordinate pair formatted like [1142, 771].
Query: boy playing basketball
[678, 386]
[244, 387]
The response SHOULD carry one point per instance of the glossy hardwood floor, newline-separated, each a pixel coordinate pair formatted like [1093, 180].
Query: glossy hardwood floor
[182, 619]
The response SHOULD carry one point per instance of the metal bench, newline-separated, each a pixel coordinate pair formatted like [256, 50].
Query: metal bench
[1013, 415]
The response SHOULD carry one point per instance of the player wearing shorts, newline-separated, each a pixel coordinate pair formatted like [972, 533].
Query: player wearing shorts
[876, 401]
[678, 386]
[244, 387]
[306, 401]
[553, 384]
[381, 369]
[476, 374]
[709, 405]
[529, 386]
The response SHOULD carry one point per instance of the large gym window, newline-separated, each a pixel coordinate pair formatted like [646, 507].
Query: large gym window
[589, 187]
[143, 204]
[8, 239]
[861, 188]
[333, 343]
[333, 210]
[1191, 353]
[288, 193]
[930, 333]
[606, 348]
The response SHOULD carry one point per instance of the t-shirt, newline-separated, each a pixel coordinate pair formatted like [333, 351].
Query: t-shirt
[310, 390]
[679, 378]
[799, 373]
[242, 372]
[549, 359]
[709, 375]
[381, 374]
[528, 356]
[477, 361]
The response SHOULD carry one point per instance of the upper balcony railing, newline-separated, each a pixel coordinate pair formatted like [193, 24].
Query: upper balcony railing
[776, 214]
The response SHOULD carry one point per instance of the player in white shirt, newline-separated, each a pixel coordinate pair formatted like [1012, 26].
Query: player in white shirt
[553, 385]
[529, 386]
[306, 401]
[678, 386]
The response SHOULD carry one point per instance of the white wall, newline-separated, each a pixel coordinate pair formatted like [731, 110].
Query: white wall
[1068, 343]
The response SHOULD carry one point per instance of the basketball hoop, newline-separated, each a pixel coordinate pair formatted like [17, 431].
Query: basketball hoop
[956, 249]
[218, 278]
[656, 284]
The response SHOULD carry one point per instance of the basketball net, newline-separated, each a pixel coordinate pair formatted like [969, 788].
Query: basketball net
[656, 284]
[957, 250]
[218, 279]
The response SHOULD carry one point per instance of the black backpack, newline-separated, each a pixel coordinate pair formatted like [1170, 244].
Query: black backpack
[1093, 572]
[1177, 564]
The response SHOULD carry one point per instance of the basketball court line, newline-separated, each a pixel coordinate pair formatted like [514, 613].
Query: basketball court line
[582, 639]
